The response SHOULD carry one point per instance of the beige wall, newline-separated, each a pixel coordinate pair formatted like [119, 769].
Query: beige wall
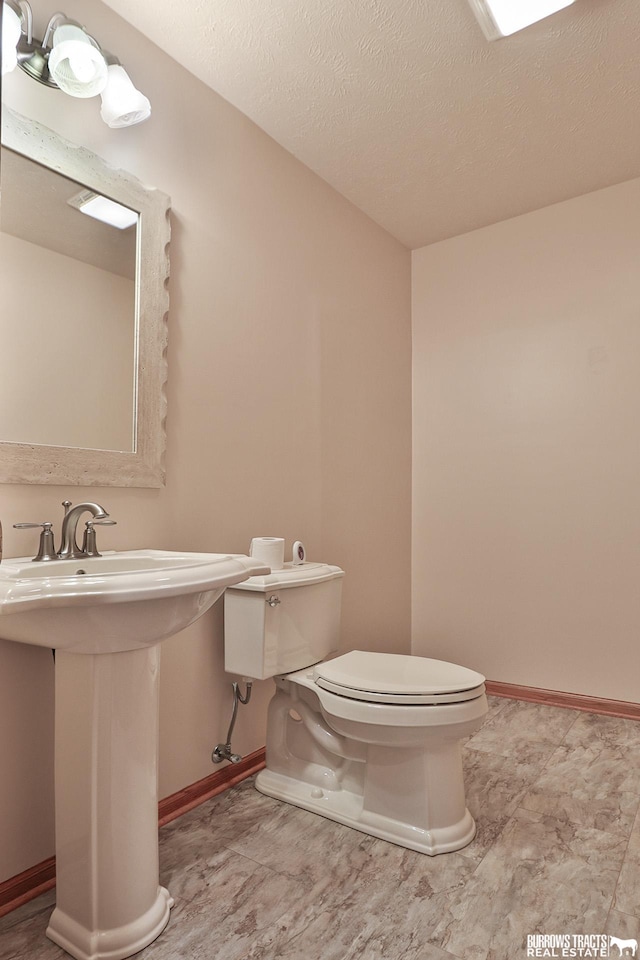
[288, 399]
[526, 520]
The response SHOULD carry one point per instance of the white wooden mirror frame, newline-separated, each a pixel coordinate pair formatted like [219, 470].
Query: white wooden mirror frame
[144, 467]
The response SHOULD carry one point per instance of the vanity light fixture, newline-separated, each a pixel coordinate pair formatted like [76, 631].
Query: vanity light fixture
[501, 18]
[71, 60]
[75, 62]
[122, 104]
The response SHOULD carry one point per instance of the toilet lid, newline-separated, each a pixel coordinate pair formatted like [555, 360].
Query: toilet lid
[396, 678]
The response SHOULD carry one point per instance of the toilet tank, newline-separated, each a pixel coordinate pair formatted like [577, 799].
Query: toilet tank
[283, 622]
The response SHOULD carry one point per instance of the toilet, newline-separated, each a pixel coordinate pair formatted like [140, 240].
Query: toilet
[370, 740]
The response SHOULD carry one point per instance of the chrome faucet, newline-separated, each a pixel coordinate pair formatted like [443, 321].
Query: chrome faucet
[69, 549]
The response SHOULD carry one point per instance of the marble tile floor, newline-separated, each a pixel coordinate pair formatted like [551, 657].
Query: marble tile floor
[556, 796]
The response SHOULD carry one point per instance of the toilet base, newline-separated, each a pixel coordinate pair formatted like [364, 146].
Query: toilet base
[346, 807]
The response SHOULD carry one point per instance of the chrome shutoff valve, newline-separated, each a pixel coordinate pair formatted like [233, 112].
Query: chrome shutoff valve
[223, 750]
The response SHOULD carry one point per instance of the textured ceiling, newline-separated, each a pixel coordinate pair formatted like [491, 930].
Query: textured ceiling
[404, 107]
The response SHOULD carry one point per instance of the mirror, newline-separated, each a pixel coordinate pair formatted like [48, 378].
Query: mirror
[80, 330]
[83, 311]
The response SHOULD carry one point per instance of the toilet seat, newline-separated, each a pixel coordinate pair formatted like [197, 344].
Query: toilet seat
[397, 679]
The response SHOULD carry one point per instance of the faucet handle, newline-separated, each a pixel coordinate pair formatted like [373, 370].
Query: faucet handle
[24, 526]
[89, 546]
[46, 548]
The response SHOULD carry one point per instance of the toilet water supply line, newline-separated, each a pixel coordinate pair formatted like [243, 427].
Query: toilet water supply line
[223, 750]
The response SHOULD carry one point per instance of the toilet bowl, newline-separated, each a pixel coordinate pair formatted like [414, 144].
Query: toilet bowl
[370, 740]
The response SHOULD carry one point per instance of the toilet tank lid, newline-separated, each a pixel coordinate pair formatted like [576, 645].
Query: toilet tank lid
[291, 575]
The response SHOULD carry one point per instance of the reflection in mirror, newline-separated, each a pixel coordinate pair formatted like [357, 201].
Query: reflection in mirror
[83, 308]
[80, 326]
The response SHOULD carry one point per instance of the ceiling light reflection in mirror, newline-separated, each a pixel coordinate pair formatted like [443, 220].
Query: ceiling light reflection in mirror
[501, 18]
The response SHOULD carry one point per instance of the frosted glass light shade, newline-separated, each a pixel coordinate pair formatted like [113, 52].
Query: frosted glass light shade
[76, 64]
[501, 18]
[11, 31]
[122, 104]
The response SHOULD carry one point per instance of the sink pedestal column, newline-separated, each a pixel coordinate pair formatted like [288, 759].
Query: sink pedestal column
[109, 902]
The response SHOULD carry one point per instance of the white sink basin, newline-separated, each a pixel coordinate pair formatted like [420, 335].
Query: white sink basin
[120, 601]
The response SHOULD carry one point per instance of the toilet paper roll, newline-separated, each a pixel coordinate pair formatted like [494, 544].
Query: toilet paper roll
[269, 550]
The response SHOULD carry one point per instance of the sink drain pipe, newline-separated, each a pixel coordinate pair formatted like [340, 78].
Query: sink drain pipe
[223, 750]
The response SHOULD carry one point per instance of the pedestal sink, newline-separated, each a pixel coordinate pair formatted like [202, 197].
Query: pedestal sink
[105, 617]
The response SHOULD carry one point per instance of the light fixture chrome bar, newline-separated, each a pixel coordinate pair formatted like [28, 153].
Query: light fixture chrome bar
[53, 23]
[33, 54]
